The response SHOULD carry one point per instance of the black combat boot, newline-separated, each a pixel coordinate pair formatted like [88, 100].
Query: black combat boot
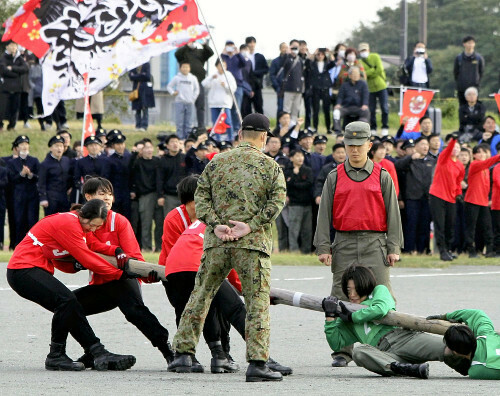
[275, 366]
[166, 350]
[105, 360]
[57, 360]
[182, 363]
[258, 371]
[220, 363]
[196, 367]
[444, 255]
[87, 360]
[411, 370]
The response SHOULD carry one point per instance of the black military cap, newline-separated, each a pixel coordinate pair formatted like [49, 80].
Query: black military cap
[389, 139]
[56, 139]
[305, 134]
[62, 131]
[117, 138]
[375, 139]
[320, 139]
[92, 140]
[201, 147]
[112, 133]
[211, 142]
[286, 141]
[100, 132]
[256, 122]
[408, 143]
[20, 139]
[224, 145]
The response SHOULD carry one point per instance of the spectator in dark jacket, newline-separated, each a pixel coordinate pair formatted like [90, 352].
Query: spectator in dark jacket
[418, 169]
[36, 84]
[352, 99]
[143, 186]
[468, 68]
[4, 181]
[93, 164]
[119, 174]
[320, 83]
[12, 68]
[293, 82]
[471, 116]
[196, 159]
[419, 67]
[235, 63]
[259, 70]
[276, 73]
[55, 178]
[171, 171]
[197, 58]
[299, 184]
[141, 77]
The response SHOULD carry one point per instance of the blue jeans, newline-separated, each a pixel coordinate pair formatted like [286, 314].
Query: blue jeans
[234, 113]
[228, 136]
[183, 117]
[142, 118]
[383, 98]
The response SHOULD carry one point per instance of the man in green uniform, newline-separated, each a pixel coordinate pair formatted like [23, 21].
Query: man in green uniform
[239, 195]
[363, 208]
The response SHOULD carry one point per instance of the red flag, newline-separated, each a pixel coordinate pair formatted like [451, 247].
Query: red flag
[497, 98]
[415, 104]
[88, 122]
[220, 125]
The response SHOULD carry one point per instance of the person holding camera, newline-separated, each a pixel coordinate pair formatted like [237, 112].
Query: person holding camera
[419, 67]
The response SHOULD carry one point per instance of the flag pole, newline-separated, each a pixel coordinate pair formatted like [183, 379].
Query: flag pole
[220, 60]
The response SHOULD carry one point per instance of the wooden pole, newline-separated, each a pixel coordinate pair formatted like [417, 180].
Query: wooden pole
[308, 301]
[393, 318]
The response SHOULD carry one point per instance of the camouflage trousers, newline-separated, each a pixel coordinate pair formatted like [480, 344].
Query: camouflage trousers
[254, 269]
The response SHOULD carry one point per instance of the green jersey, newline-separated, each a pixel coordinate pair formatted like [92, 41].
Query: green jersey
[244, 185]
[363, 329]
[486, 359]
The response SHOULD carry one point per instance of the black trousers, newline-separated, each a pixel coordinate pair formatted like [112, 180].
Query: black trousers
[308, 108]
[124, 294]
[12, 100]
[418, 225]
[41, 287]
[495, 216]
[200, 107]
[178, 288]
[478, 217]
[323, 96]
[59, 114]
[443, 215]
[256, 100]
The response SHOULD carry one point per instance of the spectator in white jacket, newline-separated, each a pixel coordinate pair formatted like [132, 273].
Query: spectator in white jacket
[185, 87]
[220, 98]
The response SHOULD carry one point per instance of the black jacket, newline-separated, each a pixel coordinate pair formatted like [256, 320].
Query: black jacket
[320, 180]
[171, 171]
[194, 166]
[196, 58]
[89, 166]
[22, 186]
[409, 62]
[418, 176]
[119, 175]
[294, 80]
[54, 178]
[468, 70]
[10, 80]
[299, 187]
[143, 176]
[317, 80]
[281, 159]
[474, 117]
[356, 94]
[259, 71]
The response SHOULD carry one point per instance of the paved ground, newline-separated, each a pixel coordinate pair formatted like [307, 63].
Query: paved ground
[297, 340]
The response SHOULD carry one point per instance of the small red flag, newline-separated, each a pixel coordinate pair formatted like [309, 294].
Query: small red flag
[220, 125]
[497, 98]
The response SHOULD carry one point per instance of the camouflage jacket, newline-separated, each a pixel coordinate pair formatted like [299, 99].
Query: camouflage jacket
[245, 185]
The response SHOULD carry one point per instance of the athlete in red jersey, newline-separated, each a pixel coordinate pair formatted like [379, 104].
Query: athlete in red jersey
[495, 208]
[104, 293]
[378, 154]
[30, 274]
[476, 208]
[445, 188]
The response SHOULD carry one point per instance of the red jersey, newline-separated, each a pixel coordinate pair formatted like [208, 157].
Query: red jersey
[389, 167]
[359, 206]
[176, 222]
[59, 236]
[186, 254]
[495, 190]
[115, 232]
[479, 181]
[448, 176]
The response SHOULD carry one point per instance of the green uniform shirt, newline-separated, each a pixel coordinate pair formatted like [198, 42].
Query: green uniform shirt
[486, 359]
[394, 229]
[375, 73]
[340, 334]
[245, 185]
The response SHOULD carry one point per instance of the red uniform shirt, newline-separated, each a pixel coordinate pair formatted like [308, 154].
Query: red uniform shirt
[58, 236]
[186, 254]
[176, 222]
[448, 176]
[389, 167]
[115, 232]
[359, 206]
[495, 190]
[479, 181]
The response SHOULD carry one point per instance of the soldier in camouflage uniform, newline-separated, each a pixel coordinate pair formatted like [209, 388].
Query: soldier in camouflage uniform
[245, 189]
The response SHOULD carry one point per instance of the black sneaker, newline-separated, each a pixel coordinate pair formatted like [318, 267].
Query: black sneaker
[411, 370]
[275, 366]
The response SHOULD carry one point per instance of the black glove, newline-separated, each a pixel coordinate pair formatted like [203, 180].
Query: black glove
[345, 313]
[121, 259]
[78, 267]
[153, 277]
[440, 317]
[330, 305]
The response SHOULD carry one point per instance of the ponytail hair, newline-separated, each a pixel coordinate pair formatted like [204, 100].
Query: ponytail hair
[93, 209]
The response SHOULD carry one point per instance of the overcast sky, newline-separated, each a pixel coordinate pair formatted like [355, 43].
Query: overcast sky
[322, 23]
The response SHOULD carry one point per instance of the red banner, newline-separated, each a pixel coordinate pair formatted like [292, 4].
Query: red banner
[415, 104]
[497, 98]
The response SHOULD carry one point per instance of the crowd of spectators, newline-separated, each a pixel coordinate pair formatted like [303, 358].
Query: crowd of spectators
[344, 82]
